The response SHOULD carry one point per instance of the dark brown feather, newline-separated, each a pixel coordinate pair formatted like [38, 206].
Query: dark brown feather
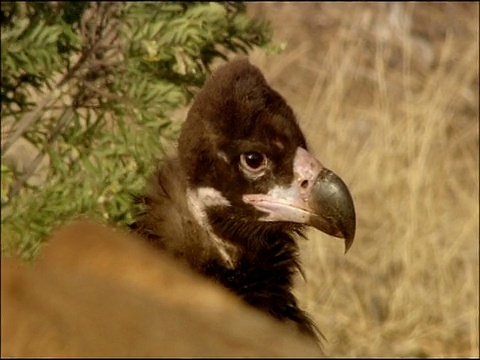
[236, 111]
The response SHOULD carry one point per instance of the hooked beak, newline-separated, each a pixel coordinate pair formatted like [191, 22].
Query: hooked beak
[316, 197]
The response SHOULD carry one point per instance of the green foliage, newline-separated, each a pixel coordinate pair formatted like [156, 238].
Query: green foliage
[92, 87]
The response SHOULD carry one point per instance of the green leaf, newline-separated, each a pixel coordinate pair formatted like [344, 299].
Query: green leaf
[162, 51]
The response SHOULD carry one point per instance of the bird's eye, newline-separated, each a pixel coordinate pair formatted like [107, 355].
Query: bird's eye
[254, 162]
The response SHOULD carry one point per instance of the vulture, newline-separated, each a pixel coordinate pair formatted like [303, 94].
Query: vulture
[240, 190]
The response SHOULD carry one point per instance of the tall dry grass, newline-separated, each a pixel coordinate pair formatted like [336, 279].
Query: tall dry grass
[388, 97]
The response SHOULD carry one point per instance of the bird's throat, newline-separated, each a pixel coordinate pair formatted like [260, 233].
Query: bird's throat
[198, 200]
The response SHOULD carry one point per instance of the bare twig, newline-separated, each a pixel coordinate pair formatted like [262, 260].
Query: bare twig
[93, 41]
[28, 119]
[21, 180]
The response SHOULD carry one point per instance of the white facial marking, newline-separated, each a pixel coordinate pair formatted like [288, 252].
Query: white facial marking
[198, 200]
[211, 197]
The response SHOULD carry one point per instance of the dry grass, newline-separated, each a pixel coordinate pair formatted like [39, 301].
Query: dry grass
[388, 97]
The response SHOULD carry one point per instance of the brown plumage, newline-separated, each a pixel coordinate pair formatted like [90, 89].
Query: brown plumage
[241, 188]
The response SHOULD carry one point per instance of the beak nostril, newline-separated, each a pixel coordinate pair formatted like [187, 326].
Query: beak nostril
[304, 184]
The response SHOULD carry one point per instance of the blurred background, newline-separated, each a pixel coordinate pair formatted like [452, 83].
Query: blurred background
[386, 93]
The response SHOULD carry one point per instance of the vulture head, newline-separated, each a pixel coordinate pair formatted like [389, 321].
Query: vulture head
[242, 185]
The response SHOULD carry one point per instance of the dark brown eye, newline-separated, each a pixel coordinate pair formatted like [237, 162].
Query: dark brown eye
[254, 162]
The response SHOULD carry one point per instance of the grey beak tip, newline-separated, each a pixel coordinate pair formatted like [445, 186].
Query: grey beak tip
[348, 243]
[334, 203]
